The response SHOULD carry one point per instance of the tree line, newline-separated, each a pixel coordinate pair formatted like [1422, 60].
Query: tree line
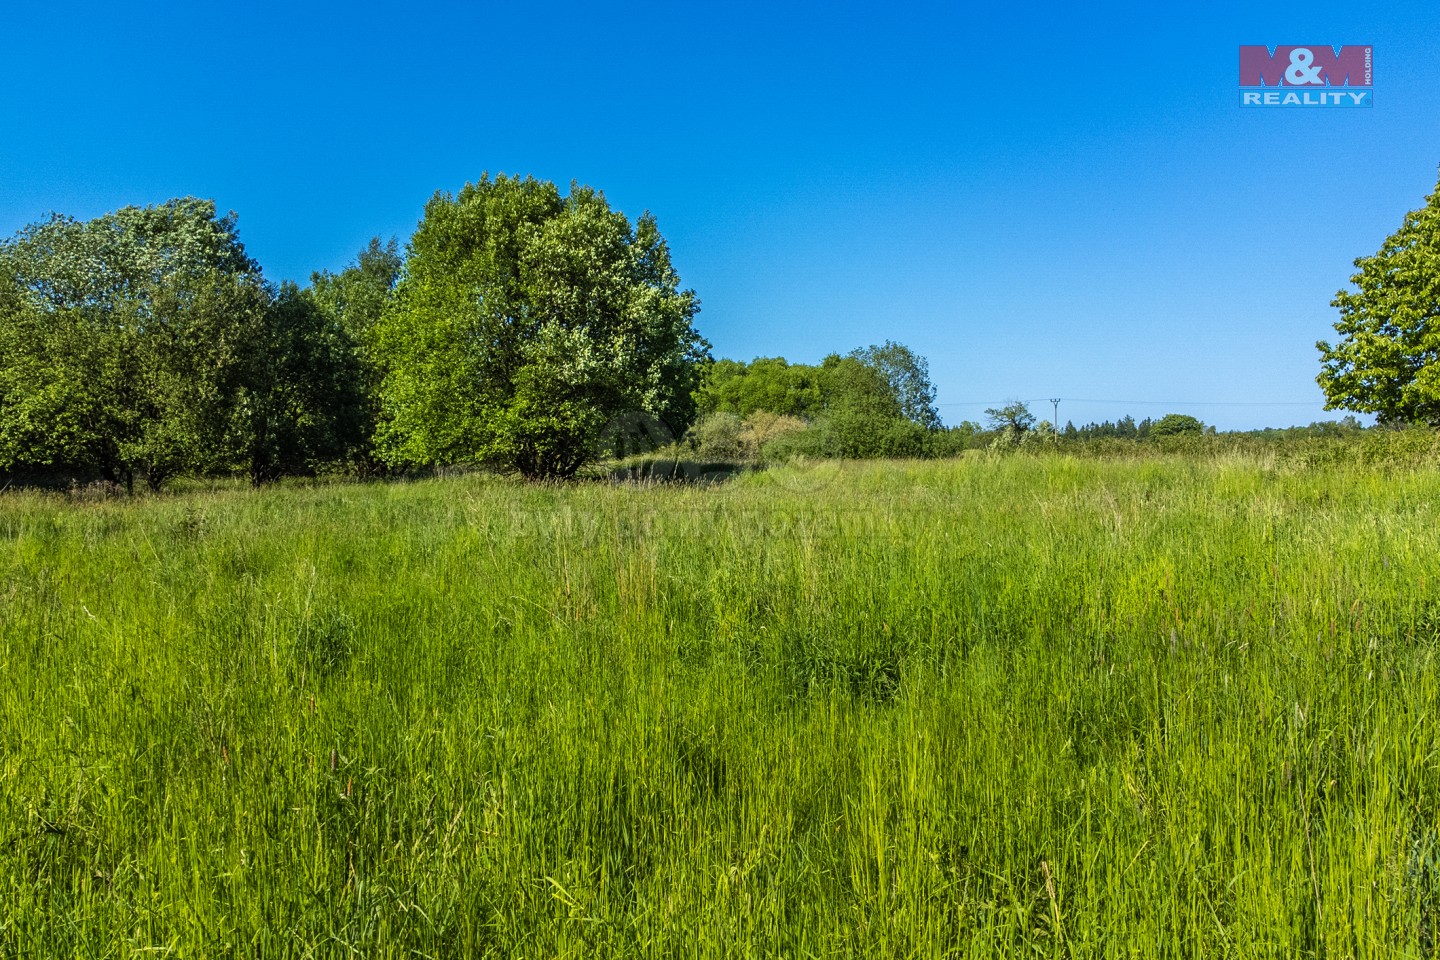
[519, 328]
[522, 328]
[146, 344]
[876, 401]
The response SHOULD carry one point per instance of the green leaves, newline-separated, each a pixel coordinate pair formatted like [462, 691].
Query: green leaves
[765, 383]
[907, 375]
[352, 303]
[874, 402]
[1176, 424]
[302, 388]
[120, 338]
[1013, 419]
[524, 323]
[1387, 360]
[146, 342]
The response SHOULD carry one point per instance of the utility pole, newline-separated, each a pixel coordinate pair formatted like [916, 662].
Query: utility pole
[1055, 404]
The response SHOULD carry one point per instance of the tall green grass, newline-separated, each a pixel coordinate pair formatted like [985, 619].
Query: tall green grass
[1177, 707]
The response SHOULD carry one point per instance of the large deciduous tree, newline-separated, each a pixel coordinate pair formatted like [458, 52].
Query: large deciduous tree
[120, 340]
[526, 322]
[864, 416]
[907, 374]
[1176, 424]
[147, 343]
[1387, 359]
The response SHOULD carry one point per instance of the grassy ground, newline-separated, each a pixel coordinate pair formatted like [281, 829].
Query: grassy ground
[1182, 707]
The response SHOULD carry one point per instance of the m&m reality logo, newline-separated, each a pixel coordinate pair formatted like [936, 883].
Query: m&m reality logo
[1313, 75]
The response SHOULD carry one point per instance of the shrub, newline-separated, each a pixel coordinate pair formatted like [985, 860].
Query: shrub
[716, 436]
[807, 444]
[761, 427]
[1174, 424]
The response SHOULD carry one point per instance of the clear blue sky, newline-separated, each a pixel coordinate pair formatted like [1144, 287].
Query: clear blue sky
[1044, 200]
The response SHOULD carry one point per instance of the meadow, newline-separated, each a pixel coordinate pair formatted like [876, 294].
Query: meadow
[1178, 706]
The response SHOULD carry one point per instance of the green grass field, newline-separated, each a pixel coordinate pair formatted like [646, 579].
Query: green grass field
[1178, 707]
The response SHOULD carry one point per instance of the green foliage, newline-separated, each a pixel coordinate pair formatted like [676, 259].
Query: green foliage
[812, 443]
[525, 323]
[146, 341]
[716, 436]
[953, 441]
[907, 374]
[301, 400]
[1125, 428]
[1176, 424]
[352, 302]
[873, 402]
[1013, 419]
[123, 257]
[121, 340]
[864, 417]
[762, 428]
[355, 297]
[1384, 361]
[1042, 437]
[725, 437]
[765, 383]
[994, 707]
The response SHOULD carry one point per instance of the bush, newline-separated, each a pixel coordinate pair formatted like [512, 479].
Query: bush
[1409, 446]
[724, 436]
[1033, 440]
[716, 436]
[902, 438]
[1175, 424]
[951, 441]
[762, 427]
[847, 434]
[801, 444]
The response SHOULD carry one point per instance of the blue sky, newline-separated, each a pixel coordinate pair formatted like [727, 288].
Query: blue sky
[1046, 201]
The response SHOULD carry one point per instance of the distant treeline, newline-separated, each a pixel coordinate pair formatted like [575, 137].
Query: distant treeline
[769, 411]
[1126, 428]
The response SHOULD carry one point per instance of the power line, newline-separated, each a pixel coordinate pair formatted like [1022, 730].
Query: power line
[1209, 403]
[1156, 403]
